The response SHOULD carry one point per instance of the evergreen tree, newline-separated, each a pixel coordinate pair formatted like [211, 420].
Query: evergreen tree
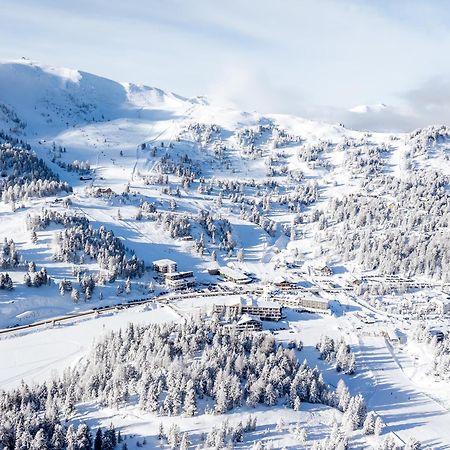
[75, 295]
[58, 440]
[369, 423]
[190, 401]
[71, 438]
[84, 438]
[378, 427]
[184, 443]
[173, 436]
[39, 442]
[98, 439]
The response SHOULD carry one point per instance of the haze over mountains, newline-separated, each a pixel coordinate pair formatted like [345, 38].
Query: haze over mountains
[27, 84]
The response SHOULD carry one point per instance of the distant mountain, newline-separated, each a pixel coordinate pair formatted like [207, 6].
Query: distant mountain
[46, 98]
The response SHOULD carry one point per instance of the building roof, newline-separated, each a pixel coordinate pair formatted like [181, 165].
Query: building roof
[313, 298]
[234, 274]
[391, 333]
[164, 262]
[245, 318]
[186, 274]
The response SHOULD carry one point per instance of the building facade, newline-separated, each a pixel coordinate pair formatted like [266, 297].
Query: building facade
[307, 303]
[263, 309]
[164, 266]
[179, 280]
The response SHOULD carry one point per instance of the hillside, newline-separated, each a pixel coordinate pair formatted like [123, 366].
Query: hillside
[100, 178]
[271, 177]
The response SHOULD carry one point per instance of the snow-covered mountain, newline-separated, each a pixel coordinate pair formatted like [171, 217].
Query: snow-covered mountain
[128, 135]
[100, 178]
[48, 98]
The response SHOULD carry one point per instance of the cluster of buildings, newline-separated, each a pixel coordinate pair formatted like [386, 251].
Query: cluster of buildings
[396, 282]
[175, 279]
[245, 313]
[250, 311]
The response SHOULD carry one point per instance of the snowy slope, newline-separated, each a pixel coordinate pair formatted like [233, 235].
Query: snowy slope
[270, 178]
[105, 123]
[50, 99]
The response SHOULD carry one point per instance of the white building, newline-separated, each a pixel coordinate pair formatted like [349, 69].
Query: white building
[306, 303]
[323, 271]
[179, 280]
[283, 283]
[392, 336]
[164, 266]
[234, 275]
[247, 322]
[265, 310]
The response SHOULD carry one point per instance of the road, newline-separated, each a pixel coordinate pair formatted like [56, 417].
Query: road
[118, 306]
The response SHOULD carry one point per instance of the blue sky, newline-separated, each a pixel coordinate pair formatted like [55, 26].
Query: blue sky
[313, 58]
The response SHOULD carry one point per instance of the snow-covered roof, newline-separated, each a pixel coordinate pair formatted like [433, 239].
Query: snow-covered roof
[309, 296]
[234, 274]
[245, 318]
[392, 334]
[163, 262]
[26, 315]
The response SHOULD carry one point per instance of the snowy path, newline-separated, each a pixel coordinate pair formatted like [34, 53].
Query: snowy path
[405, 410]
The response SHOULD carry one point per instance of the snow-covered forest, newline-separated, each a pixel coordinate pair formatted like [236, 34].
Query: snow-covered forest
[129, 215]
[399, 217]
[24, 175]
[182, 370]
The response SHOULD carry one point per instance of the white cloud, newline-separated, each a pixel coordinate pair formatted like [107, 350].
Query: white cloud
[250, 88]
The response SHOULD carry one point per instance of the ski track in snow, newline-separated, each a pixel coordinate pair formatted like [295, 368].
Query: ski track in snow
[406, 411]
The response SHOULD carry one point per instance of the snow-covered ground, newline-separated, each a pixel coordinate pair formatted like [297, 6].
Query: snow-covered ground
[36, 356]
[404, 407]
[130, 135]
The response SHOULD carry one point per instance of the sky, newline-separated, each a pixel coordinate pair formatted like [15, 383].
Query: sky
[317, 58]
